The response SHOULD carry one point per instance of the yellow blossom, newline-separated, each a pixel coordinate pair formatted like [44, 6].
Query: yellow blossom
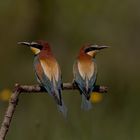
[5, 94]
[96, 97]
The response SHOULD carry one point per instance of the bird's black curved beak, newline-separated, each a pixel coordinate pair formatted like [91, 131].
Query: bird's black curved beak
[31, 44]
[24, 43]
[95, 47]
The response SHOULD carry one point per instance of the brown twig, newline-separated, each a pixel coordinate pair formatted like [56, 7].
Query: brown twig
[31, 89]
[9, 113]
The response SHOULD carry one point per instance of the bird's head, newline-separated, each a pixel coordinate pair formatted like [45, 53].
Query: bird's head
[92, 50]
[37, 46]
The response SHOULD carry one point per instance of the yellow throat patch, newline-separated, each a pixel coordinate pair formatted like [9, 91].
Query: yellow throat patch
[92, 53]
[35, 50]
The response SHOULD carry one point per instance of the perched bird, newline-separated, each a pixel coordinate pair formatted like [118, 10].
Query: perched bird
[47, 71]
[85, 72]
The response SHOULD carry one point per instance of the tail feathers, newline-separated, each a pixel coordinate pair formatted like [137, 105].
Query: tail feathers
[86, 83]
[86, 104]
[86, 94]
[63, 109]
[57, 99]
[86, 89]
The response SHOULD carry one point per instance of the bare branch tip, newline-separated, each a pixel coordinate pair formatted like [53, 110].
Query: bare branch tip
[17, 85]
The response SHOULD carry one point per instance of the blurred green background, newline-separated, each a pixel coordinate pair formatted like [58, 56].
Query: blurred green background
[67, 25]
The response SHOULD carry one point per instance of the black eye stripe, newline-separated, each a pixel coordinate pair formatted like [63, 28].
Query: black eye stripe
[90, 49]
[38, 46]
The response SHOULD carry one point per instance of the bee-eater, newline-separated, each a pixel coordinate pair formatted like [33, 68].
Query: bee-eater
[85, 72]
[47, 71]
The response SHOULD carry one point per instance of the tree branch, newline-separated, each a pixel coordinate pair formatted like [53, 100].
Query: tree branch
[9, 113]
[31, 89]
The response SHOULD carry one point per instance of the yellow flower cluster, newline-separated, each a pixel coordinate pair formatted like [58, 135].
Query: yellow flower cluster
[96, 97]
[5, 95]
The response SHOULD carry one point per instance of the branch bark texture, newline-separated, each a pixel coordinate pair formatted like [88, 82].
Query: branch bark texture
[31, 89]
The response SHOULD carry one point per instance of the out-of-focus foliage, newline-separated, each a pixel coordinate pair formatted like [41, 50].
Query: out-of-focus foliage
[5, 95]
[67, 25]
[96, 97]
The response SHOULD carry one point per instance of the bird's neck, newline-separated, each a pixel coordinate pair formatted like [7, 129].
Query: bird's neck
[83, 56]
[45, 53]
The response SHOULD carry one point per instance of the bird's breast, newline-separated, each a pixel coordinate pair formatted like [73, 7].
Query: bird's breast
[86, 68]
[50, 68]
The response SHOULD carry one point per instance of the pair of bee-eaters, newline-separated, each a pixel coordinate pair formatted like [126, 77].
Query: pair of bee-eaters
[48, 73]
